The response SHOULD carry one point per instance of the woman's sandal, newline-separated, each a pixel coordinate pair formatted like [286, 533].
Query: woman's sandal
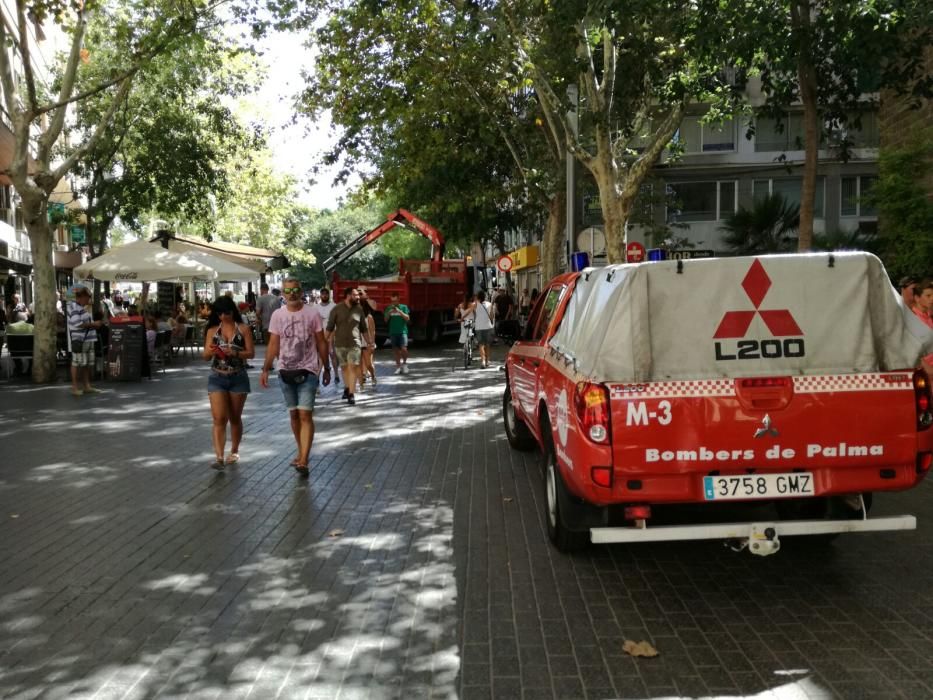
[218, 464]
[302, 469]
[232, 458]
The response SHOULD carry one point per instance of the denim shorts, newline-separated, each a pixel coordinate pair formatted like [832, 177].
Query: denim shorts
[300, 396]
[237, 383]
[399, 340]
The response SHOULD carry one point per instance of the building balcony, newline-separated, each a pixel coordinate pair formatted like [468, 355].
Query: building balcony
[67, 259]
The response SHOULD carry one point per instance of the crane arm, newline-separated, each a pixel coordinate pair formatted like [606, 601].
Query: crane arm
[400, 217]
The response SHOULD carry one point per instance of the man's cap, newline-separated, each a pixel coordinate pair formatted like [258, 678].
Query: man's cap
[80, 289]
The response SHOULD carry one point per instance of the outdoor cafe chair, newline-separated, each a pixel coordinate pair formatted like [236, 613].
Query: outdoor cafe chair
[192, 340]
[163, 349]
[19, 347]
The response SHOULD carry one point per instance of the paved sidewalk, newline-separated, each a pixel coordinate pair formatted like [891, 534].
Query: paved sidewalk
[413, 563]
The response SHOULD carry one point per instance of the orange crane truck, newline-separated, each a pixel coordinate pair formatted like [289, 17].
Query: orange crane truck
[431, 289]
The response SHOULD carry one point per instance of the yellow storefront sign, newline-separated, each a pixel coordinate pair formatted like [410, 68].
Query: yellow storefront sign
[524, 257]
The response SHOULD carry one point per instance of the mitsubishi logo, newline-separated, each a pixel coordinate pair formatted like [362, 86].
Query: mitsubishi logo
[756, 284]
[766, 428]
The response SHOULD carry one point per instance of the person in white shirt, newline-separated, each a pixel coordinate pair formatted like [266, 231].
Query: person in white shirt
[482, 326]
[324, 307]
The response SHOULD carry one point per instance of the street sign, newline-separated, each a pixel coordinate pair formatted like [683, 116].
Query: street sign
[504, 263]
[689, 254]
[634, 252]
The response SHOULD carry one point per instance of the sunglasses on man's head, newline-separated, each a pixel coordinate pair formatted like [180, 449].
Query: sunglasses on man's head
[291, 290]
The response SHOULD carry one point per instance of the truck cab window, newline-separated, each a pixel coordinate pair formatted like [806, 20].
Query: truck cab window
[547, 309]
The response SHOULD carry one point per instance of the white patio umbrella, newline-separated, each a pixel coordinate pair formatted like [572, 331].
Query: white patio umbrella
[227, 270]
[142, 261]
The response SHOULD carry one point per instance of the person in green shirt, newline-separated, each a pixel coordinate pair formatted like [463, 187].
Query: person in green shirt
[397, 317]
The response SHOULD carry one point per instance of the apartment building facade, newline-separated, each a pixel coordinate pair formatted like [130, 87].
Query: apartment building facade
[727, 165]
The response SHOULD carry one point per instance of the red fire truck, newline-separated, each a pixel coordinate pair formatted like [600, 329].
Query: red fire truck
[431, 289]
[739, 399]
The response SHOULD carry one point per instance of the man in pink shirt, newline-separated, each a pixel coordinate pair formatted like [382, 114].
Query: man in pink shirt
[296, 339]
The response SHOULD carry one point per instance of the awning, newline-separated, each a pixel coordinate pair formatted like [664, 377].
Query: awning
[15, 266]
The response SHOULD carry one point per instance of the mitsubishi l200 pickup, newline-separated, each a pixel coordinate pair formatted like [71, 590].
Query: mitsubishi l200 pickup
[783, 385]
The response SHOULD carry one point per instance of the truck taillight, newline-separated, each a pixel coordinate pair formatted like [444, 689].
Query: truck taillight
[923, 400]
[592, 405]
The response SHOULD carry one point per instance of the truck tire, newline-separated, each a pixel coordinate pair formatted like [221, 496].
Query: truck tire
[516, 430]
[554, 493]
[831, 508]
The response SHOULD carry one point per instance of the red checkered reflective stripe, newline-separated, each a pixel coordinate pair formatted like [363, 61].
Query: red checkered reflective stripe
[871, 381]
[693, 389]
[724, 388]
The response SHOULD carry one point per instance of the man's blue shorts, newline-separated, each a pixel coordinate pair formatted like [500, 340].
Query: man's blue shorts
[399, 340]
[300, 396]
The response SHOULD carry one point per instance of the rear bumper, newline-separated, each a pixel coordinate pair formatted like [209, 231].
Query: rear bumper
[751, 531]
[659, 488]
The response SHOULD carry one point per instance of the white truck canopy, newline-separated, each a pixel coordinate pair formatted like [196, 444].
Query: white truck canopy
[798, 314]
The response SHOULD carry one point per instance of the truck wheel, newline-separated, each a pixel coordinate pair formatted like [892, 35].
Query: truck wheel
[515, 428]
[832, 508]
[564, 539]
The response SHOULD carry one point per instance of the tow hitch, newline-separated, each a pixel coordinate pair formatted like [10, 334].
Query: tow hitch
[762, 540]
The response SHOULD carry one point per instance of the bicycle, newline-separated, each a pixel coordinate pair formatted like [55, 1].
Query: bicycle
[468, 344]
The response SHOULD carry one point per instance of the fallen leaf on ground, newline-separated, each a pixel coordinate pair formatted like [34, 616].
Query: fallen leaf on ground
[368, 486]
[15, 515]
[506, 500]
[335, 533]
[639, 649]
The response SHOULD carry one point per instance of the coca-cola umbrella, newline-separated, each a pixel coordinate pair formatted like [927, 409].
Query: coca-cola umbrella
[142, 261]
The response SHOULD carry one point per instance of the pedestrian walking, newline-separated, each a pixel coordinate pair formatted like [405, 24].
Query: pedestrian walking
[265, 305]
[482, 326]
[296, 340]
[324, 306]
[367, 365]
[466, 312]
[347, 326]
[397, 317]
[82, 330]
[228, 345]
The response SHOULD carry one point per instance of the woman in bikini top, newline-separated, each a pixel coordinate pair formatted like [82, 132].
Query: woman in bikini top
[230, 361]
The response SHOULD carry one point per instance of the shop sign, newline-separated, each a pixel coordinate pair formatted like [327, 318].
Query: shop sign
[524, 257]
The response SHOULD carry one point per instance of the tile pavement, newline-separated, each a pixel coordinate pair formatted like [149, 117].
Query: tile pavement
[413, 563]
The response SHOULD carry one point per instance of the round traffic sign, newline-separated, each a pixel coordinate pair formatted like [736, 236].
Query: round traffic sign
[504, 263]
[634, 252]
